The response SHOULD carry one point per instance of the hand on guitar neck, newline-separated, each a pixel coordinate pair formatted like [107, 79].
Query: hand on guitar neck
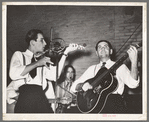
[133, 56]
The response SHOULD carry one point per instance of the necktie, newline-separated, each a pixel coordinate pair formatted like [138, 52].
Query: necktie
[33, 72]
[103, 64]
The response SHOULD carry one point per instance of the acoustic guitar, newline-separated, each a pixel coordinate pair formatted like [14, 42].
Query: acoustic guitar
[91, 101]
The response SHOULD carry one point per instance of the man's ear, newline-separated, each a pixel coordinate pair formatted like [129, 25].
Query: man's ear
[111, 51]
[32, 42]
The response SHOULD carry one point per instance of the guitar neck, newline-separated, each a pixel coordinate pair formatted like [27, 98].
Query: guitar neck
[118, 63]
[122, 59]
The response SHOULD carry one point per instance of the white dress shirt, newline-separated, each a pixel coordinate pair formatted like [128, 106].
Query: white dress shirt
[122, 74]
[17, 67]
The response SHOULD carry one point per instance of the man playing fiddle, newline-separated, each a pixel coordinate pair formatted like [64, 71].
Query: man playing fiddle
[31, 75]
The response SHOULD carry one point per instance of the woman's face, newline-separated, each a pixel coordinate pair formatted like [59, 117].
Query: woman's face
[69, 74]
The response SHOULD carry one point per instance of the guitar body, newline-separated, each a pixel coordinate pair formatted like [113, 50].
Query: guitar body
[93, 102]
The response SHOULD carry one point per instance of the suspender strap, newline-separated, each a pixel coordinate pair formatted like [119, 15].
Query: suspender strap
[42, 75]
[24, 63]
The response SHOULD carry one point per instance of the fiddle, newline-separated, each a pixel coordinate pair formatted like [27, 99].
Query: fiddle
[56, 51]
[47, 53]
[40, 55]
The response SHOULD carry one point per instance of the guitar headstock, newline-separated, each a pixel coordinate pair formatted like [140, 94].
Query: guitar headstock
[138, 45]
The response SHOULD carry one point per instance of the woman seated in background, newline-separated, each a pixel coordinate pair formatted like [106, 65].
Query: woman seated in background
[67, 99]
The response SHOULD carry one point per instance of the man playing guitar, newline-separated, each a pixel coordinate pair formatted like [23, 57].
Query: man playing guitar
[113, 102]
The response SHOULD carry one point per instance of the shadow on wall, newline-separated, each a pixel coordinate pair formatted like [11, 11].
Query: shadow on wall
[78, 54]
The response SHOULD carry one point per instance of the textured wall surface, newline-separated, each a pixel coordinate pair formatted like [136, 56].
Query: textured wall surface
[76, 24]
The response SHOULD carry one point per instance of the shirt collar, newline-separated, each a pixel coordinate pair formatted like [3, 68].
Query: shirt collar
[29, 53]
[107, 62]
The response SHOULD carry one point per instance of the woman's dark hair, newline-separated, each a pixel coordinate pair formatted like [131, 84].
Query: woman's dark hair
[32, 35]
[63, 75]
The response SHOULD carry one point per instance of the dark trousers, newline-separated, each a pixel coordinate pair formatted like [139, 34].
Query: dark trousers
[115, 104]
[32, 99]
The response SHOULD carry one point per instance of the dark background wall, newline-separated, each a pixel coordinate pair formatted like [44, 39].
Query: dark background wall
[77, 24]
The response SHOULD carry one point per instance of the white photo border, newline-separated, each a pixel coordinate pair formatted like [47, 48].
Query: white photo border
[63, 117]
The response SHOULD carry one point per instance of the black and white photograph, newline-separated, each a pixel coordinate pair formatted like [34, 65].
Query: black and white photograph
[74, 60]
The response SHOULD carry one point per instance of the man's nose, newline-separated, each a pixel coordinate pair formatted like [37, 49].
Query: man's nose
[45, 42]
[102, 47]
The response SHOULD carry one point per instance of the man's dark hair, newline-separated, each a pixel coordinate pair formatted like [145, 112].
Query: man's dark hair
[32, 35]
[109, 44]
